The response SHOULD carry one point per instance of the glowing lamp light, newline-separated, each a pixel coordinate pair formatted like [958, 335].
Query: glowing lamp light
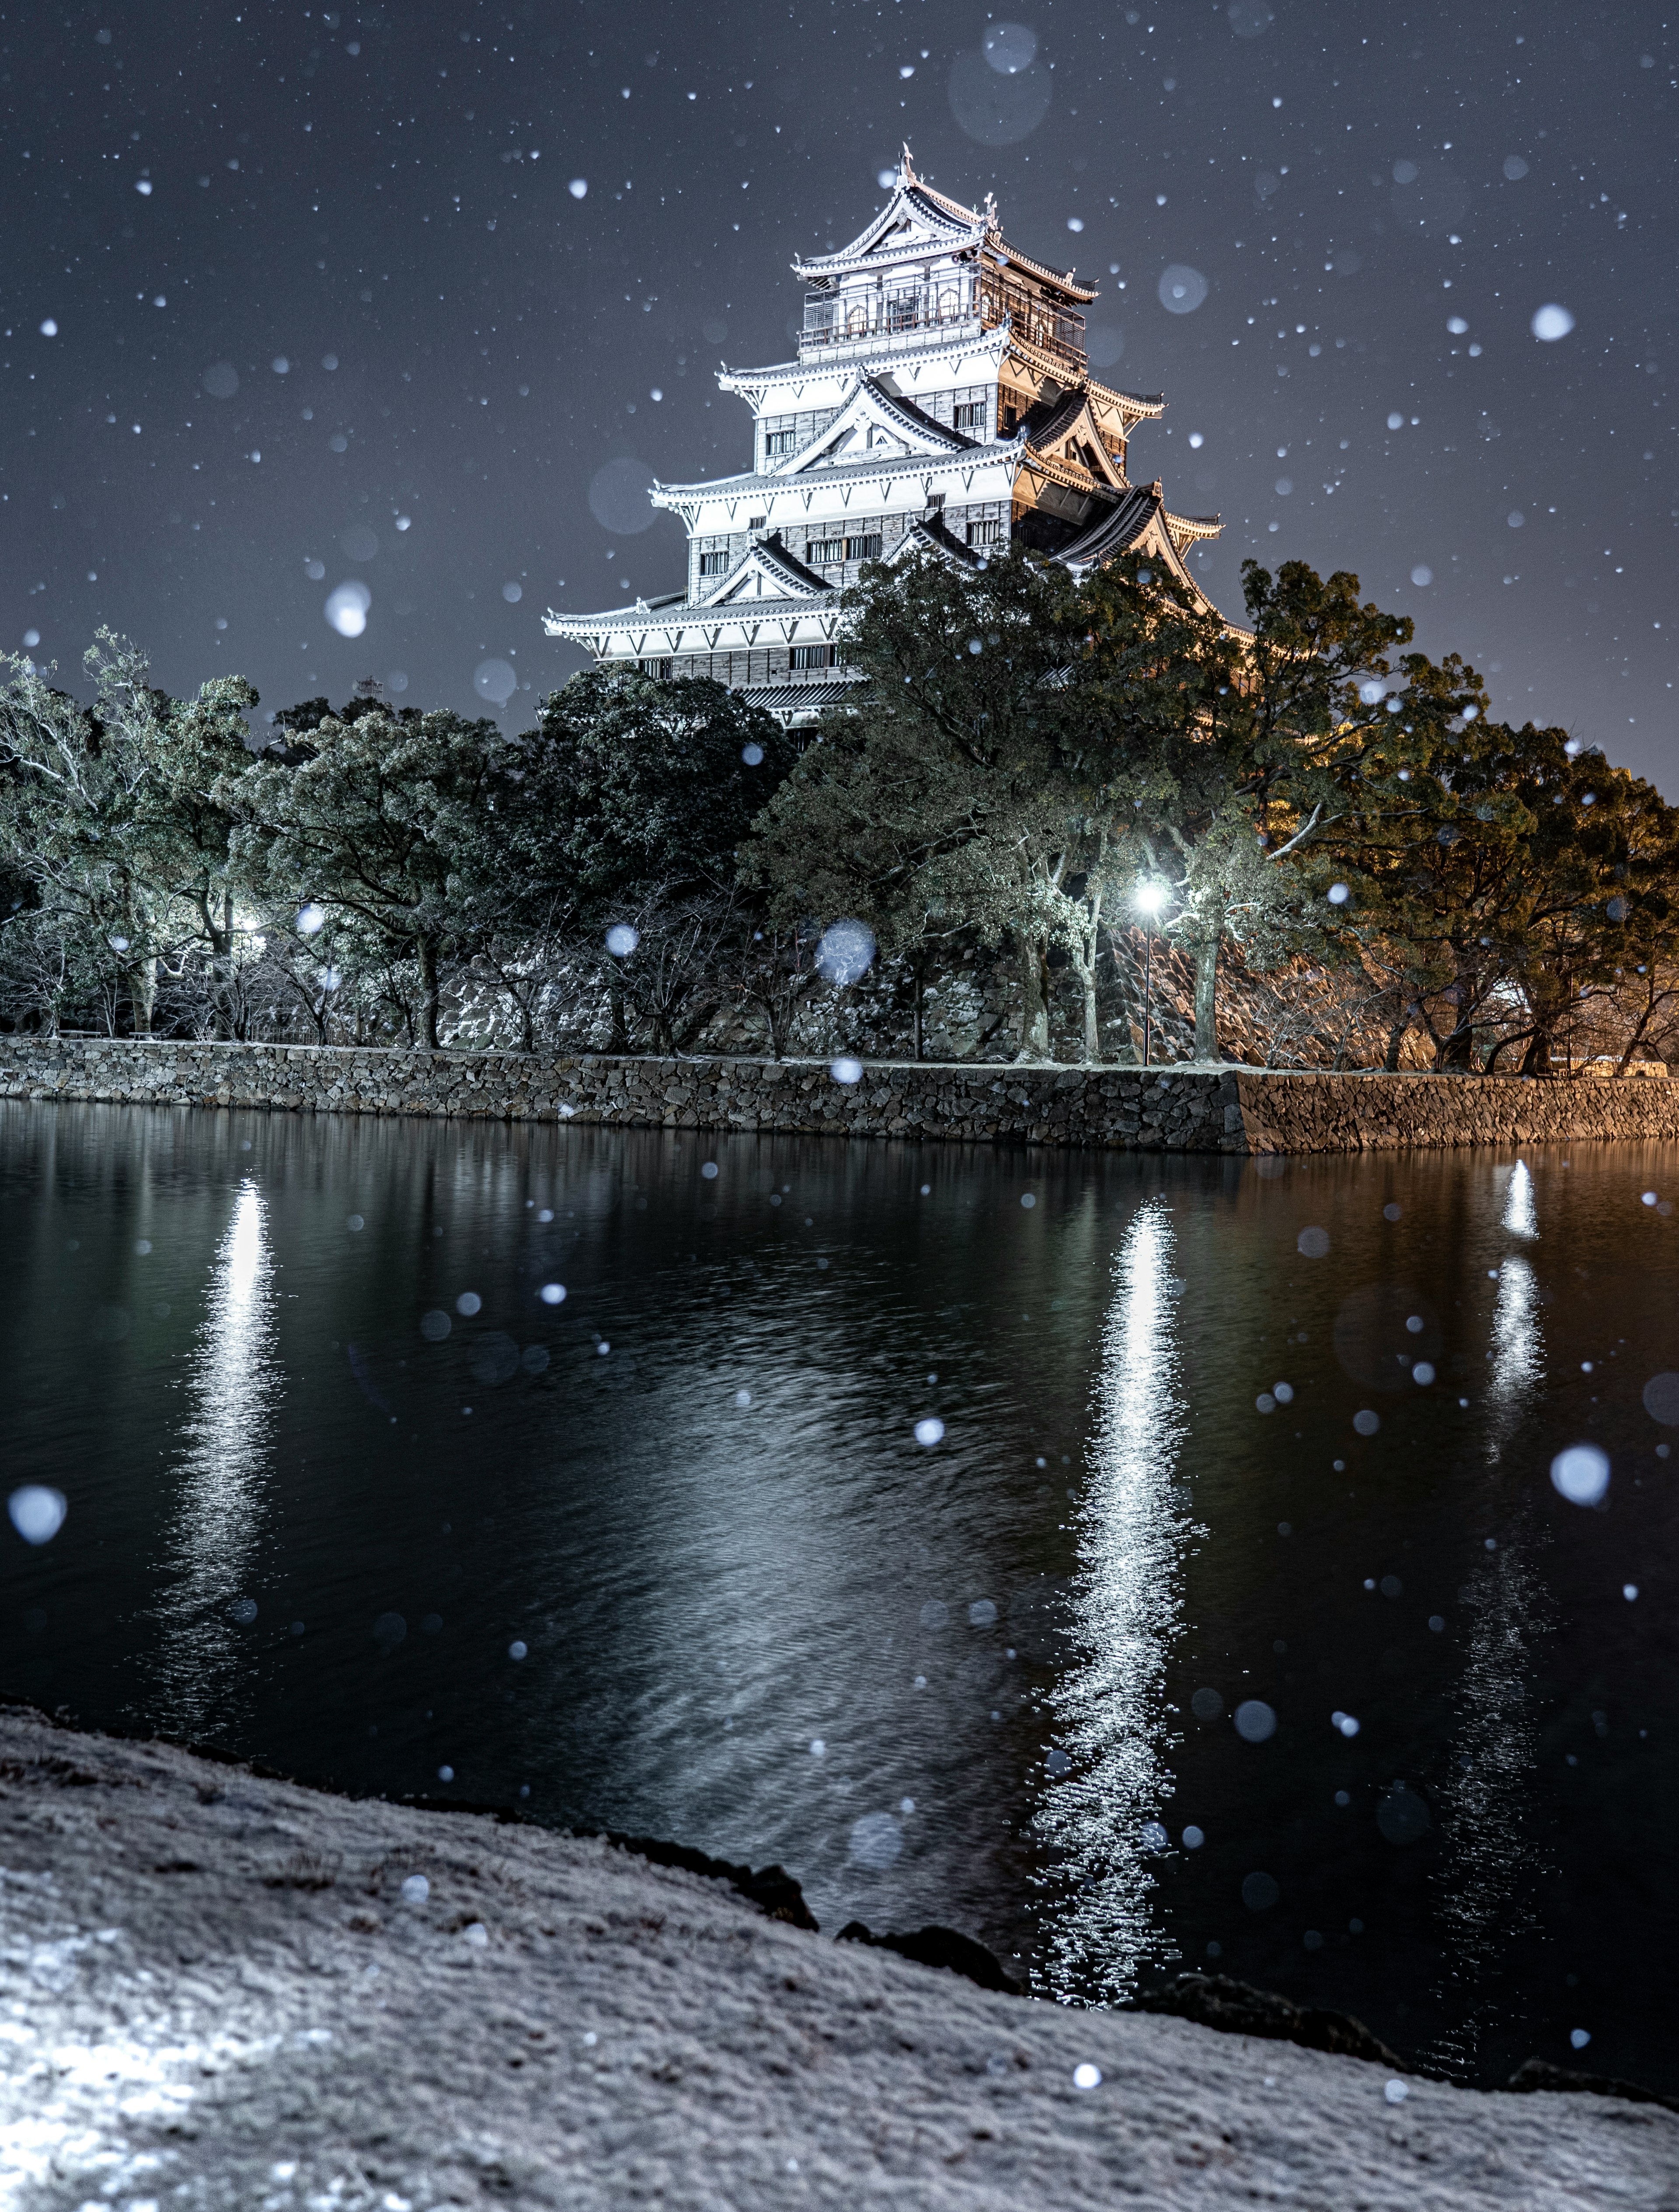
[1149, 899]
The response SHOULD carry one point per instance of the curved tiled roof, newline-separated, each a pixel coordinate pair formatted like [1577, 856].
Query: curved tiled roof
[795, 698]
[1116, 531]
[934, 537]
[1191, 527]
[963, 227]
[968, 229]
[1047, 425]
[1062, 279]
[913, 419]
[1125, 526]
[883, 406]
[1131, 402]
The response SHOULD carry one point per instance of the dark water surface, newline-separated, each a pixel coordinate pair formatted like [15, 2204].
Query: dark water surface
[668, 1557]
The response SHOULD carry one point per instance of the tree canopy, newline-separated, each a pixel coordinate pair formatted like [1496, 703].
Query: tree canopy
[658, 862]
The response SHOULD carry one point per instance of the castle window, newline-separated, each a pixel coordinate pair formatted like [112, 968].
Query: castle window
[812, 656]
[779, 441]
[824, 552]
[969, 415]
[655, 667]
[713, 564]
[985, 534]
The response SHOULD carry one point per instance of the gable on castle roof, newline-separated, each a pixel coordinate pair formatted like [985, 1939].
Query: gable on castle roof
[766, 571]
[872, 425]
[1069, 431]
[915, 220]
[931, 535]
[1141, 523]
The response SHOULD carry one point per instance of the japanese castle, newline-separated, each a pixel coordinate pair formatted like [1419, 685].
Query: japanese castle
[941, 403]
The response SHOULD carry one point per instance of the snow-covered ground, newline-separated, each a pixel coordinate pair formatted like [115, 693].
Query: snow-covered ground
[225, 1991]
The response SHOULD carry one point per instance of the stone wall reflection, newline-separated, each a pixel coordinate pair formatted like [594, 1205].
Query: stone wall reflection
[1099, 1817]
[231, 1386]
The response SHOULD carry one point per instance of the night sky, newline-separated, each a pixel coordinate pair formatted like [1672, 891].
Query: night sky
[294, 298]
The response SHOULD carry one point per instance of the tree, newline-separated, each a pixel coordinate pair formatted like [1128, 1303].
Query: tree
[105, 811]
[622, 812]
[1511, 894]
[1243, 750]
[850, 834]
[182, 829]
[945, 794]
[631, 780]
[384, 822]
[67, 809]
[1598, 877]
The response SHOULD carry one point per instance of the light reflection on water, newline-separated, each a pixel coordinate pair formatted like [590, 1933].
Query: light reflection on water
[1518, 1352]
[214, 1533]
[1520, 1217]
[1110, 1709]
[1490, 1865]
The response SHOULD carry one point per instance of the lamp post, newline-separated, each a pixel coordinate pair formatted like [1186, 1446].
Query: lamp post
[1149, 898]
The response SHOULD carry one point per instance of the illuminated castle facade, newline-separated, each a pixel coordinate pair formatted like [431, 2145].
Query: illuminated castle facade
[942, 403]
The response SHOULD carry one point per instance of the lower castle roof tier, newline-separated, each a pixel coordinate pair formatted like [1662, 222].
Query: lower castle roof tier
[951, 435]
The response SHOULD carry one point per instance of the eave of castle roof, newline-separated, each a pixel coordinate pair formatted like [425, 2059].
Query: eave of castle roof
[799, 698]
[1132, 403]
[1005, 450]
[843, 358]
[801, 587]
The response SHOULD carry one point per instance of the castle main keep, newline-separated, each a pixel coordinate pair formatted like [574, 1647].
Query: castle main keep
[942, 403]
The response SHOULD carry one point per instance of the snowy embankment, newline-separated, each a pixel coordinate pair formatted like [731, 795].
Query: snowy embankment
[223, 1991]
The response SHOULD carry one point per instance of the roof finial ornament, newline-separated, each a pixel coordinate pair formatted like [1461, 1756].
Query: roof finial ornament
[906, 167]
[989, 211]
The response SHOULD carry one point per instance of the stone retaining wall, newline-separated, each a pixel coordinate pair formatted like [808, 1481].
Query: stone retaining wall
[1181, 1109]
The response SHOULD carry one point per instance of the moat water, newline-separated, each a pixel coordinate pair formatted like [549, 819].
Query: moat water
[1138, 1563]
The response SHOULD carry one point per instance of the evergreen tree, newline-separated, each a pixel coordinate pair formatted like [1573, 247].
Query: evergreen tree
[105, 811]
[945, 795]
[1243, 752]
[622, 812]
[385, 822]
[1509, 902]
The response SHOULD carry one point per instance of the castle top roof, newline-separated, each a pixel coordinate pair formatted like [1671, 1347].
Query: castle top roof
[917, 222]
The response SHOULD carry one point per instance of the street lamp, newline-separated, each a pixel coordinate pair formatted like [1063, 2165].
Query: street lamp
[1149, 898]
